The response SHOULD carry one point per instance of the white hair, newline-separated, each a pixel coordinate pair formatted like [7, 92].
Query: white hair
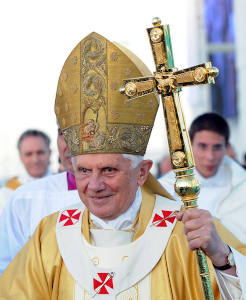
[135, 160]
[72, 159]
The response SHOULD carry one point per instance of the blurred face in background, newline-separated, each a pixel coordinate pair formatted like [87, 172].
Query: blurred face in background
[209, 147]
[64, 154]
[35, 155]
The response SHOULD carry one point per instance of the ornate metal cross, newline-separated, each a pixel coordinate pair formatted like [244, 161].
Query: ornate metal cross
[168, 81]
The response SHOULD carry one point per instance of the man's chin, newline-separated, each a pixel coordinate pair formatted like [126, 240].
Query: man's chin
[37, 175]
[105, 215]
[209, 172]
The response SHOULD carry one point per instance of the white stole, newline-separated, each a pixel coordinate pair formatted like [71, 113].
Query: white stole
[130, 263]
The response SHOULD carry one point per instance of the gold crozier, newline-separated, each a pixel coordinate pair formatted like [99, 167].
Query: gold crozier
[168, 81]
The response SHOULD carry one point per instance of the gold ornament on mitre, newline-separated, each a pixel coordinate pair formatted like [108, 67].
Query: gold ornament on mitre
[94, 116]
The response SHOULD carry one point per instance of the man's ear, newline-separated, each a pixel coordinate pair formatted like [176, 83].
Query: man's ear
[145, 167]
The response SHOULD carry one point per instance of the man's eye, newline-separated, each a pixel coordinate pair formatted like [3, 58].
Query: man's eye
[41, 152]
[28, 154]
[109, 169]
[83, 170]
[203, 147]
[218, 147]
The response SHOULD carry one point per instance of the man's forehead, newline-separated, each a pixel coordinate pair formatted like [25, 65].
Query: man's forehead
[209, 137]
[32, 139]
[100, 158]
[33, 143]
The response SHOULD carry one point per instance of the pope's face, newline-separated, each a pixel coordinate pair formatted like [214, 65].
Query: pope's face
[209, 147]
[107, 184]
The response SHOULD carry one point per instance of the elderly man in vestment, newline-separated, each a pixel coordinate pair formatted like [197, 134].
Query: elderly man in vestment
[223, 180]
[32, 202]
[127, 239]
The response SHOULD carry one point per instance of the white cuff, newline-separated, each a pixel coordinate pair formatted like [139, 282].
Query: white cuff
[229, 286]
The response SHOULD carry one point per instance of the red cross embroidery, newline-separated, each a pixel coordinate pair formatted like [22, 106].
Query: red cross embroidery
[163, 219]
[71, 216]
[101, 285]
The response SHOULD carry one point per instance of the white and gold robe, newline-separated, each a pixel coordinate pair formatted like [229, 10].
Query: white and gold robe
[159, 264]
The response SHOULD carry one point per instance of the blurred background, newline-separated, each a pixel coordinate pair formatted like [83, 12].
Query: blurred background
[37, 37]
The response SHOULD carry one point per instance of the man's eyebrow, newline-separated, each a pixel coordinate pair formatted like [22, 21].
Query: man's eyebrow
[205, 144]
[27, 152]
[201, 143]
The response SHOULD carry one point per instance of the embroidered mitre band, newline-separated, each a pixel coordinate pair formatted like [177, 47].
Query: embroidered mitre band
[92, 113]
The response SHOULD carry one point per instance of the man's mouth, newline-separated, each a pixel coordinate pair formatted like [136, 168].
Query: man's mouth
[37, 166]
[100, 199]
[210, 168]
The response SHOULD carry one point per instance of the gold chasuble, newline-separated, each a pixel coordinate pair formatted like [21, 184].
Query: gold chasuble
[42, 274]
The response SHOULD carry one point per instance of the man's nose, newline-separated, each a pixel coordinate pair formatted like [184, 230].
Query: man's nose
[35, 157]
[210, 154]
[96, 183]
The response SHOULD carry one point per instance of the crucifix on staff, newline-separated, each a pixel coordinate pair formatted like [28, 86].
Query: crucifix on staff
[168, 81]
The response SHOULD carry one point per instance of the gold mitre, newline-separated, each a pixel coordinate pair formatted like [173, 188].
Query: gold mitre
[92, 113]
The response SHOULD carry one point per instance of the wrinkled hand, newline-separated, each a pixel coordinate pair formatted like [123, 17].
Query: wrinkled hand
[201, 232]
